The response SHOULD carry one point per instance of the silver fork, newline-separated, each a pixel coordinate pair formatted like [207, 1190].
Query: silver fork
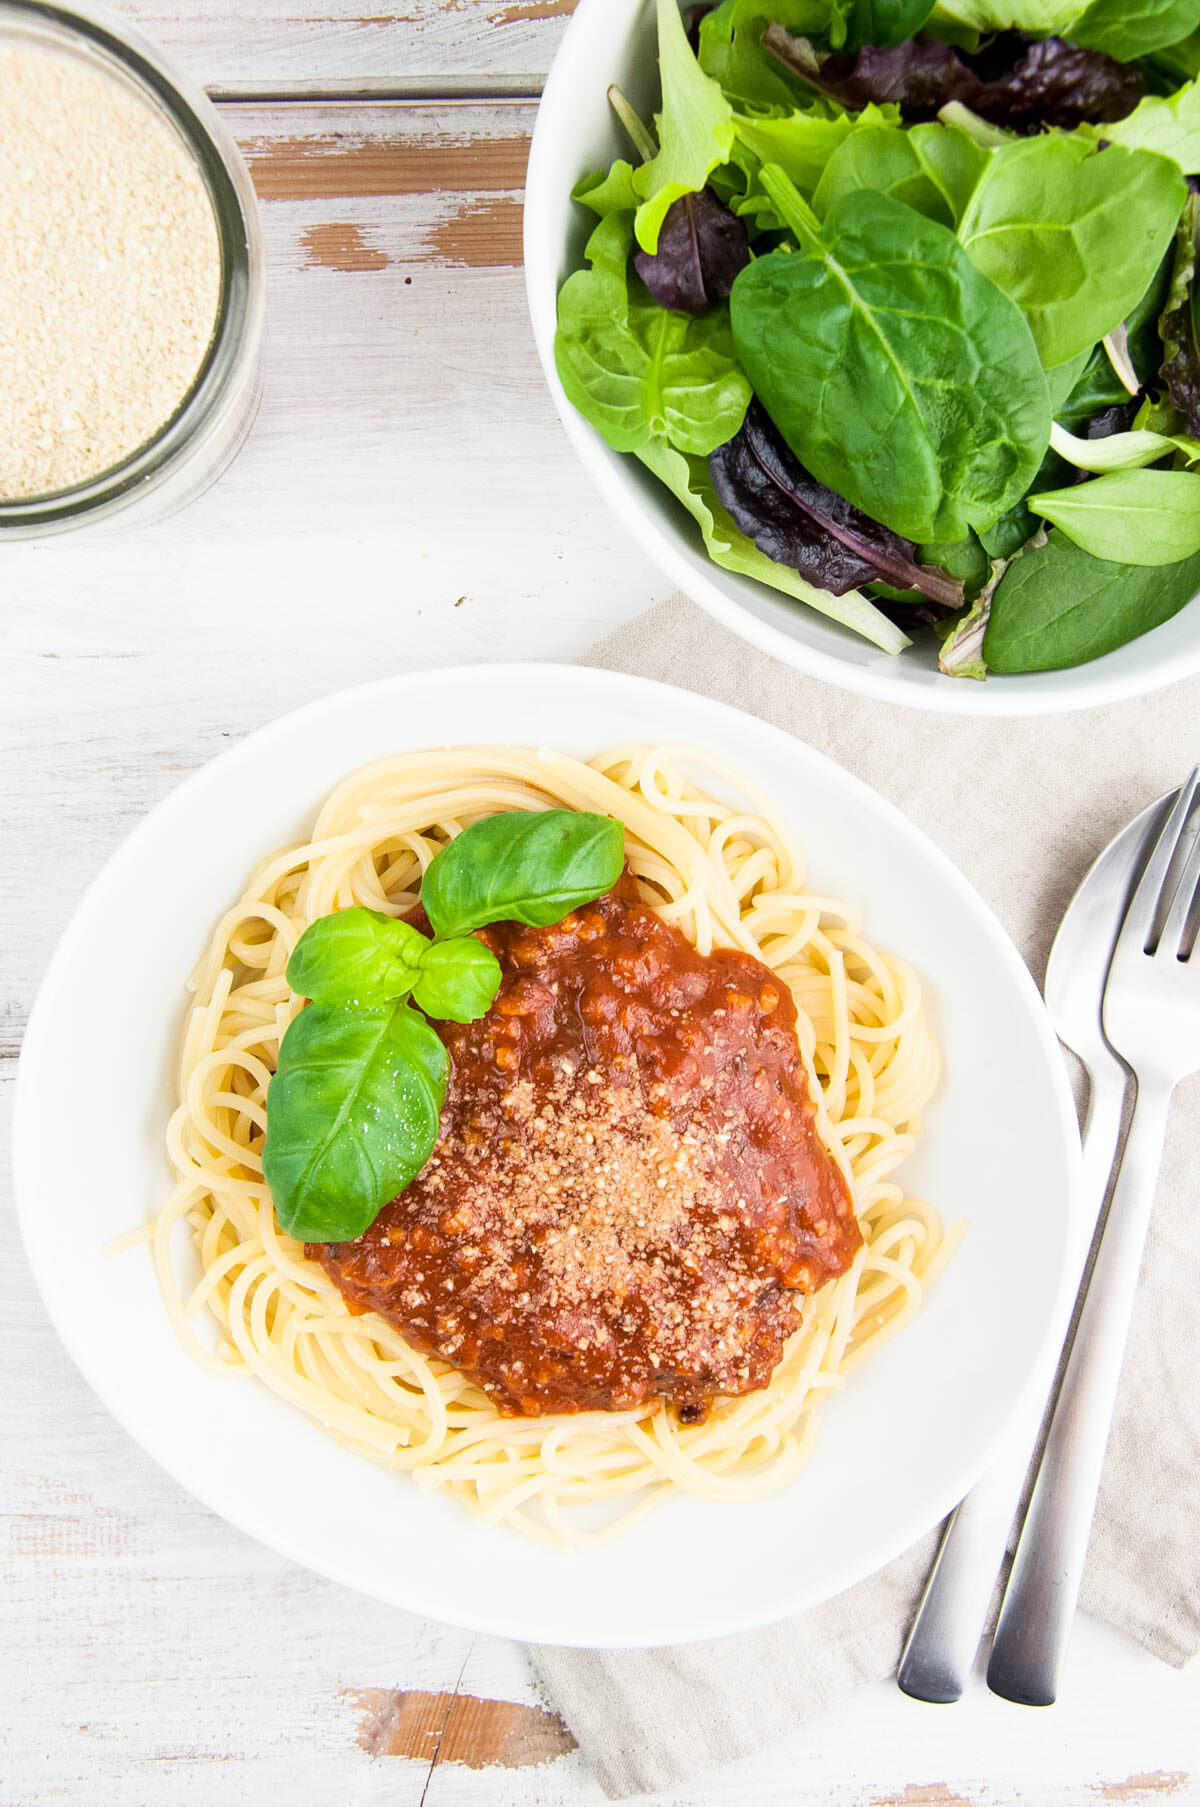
[1151, 1019]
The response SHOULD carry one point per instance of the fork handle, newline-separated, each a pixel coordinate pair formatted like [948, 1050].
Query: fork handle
[940, 1652]
[1039, 1604]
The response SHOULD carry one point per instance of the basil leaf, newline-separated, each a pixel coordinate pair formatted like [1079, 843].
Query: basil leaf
[690, 481]
[848, 343]
[1135, 517]
[695, 128]
[1128, 29]
[1072, 234]
[636, 370]
[1169, 126]
[522, 866]
[1059, 607]
[355, 955]
[458, 980]
[934, 169]
[352, 1116]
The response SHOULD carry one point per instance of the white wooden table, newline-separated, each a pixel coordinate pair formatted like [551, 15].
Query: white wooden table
[407, 499]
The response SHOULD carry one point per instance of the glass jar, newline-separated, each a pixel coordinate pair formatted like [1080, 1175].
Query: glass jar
[199, 441]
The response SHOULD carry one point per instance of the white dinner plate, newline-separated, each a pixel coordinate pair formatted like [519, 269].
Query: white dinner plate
[914, 1427]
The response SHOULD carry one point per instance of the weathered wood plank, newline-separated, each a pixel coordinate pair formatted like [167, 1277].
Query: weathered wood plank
[431, 45]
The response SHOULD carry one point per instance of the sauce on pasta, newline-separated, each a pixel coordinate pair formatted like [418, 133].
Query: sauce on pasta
[629, 1198]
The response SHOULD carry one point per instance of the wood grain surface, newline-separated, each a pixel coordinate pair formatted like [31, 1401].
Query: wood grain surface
[422, 46]
[407, 499]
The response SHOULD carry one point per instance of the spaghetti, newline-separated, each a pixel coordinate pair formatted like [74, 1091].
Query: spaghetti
[727, 876]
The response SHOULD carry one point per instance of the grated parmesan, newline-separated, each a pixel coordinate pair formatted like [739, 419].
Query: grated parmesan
[110, 271]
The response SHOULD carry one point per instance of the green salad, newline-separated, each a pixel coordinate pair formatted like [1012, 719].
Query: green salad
[899, 301]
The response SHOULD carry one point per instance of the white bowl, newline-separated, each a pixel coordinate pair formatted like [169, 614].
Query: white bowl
[615, 41]
[911, 1432]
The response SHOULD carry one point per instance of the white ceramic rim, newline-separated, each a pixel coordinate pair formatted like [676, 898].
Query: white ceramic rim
[37, 1073]
[1032, 693]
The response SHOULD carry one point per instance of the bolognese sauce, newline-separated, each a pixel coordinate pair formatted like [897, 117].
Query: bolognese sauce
[629, 1196]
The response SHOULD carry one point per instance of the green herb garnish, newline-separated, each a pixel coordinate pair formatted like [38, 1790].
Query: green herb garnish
[354, 1106]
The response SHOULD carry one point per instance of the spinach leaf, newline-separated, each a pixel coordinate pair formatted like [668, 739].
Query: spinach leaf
[635, 369]
[848, 342]
[1132, 517]
[1017, 525]
[1129, 29]
[356, 956]
[1170, 126]
[1058, 606]
[701, 248]
[695, 129]
[883, 22]
[932, 168]
[458, 980]
[1180, 323]
[1097, 387]
[797, 521]
[522, 866]
[352, 1116]
[689, 481]
[1072, 234]
[1014, 81]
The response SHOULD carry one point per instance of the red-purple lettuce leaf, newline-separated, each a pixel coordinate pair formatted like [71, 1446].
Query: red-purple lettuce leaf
[1013, 80]
[1179, 326]
[796, 521]
[701, 248]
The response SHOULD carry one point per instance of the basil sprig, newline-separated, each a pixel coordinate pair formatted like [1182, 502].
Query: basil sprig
[354, 1107]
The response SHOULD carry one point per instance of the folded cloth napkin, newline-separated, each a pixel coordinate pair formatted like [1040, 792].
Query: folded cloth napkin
[1022, 807]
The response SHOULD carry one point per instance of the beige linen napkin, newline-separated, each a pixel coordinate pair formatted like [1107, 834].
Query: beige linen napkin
[1022, 807]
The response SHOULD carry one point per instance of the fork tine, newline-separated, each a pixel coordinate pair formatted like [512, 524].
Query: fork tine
[1143, 905]
[1181, 908]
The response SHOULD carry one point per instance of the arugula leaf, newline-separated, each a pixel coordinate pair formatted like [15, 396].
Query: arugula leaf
[356, 956]
[695, 129]
[797, 521]
[1071, 234]
[690, 481]
[848, 342]
[1058, 606]
[531, 866]
[1180, 322]
[932, 168]
[1170, 126]
[1132, 517]
[1128, 29]
[458, 980]
[635, 369]
[352, 1116]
